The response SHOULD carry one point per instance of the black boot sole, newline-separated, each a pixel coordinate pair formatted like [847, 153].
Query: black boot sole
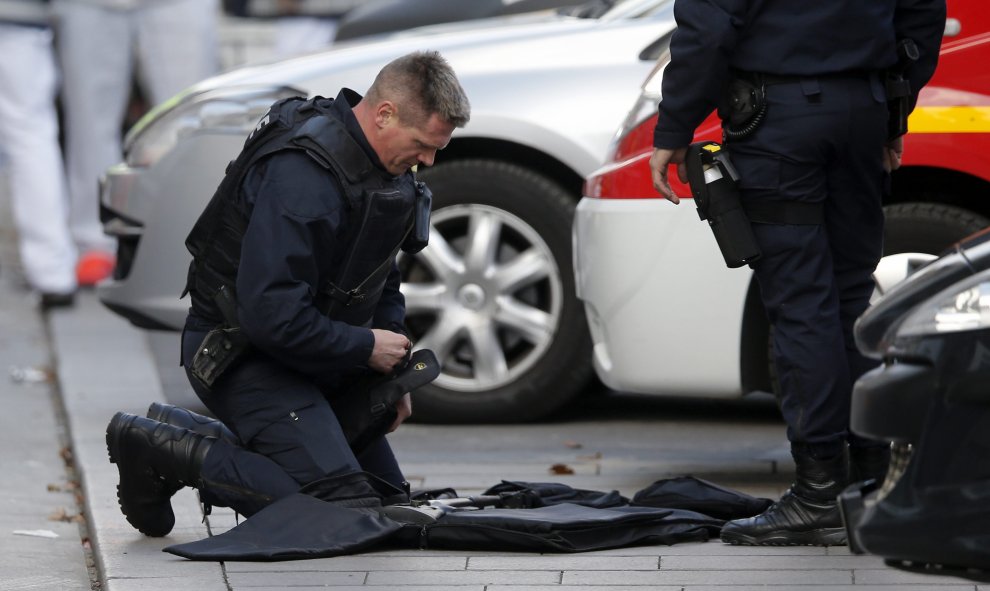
[114, 429]
[832, 536]
[113, 436]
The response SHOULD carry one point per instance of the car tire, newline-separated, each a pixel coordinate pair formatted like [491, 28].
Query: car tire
[926, 228]
[493, 295]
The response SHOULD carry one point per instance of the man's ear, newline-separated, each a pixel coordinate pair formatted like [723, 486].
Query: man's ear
[385, 113]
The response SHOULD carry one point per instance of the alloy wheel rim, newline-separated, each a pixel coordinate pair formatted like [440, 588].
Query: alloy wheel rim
[485, 295]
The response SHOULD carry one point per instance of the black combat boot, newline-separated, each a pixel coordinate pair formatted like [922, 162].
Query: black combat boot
[187, 419]
[868, 463]
[807, 514]
[154, 461]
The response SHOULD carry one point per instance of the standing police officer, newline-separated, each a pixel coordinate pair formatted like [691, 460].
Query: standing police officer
[294, 274]
[801, 89]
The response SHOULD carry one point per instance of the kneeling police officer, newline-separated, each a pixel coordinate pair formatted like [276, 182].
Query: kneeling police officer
[806, 91]
[295, 297]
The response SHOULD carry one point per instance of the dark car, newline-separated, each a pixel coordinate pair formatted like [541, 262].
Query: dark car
[385, 16]
[930, 399]
[363, 18]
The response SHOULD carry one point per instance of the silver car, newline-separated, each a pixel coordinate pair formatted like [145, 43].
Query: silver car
[493, 294]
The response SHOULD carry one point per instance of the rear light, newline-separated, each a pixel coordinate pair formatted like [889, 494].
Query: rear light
[627, 175]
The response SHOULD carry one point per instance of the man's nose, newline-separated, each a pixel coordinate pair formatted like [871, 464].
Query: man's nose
[427, 158]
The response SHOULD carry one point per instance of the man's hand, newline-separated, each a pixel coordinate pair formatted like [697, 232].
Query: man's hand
[403, 408]
[892, 153]
[390, 349]
[659, 162]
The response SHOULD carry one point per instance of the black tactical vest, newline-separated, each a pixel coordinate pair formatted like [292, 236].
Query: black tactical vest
[380, 215]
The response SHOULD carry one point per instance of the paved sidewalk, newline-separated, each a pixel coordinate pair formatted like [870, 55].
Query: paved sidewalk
[104, 365]
[39, 517]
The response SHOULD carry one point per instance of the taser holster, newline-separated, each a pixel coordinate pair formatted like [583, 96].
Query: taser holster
[713, 184]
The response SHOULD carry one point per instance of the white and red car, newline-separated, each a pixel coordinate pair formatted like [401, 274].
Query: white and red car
[668, 318]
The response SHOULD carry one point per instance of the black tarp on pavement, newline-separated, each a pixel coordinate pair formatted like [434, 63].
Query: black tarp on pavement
[331, 517]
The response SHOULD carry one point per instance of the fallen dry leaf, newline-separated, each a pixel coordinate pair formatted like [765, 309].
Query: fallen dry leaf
[61, 514]
[561, 469]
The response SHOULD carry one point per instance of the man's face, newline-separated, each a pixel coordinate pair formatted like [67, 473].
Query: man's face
[403, 146]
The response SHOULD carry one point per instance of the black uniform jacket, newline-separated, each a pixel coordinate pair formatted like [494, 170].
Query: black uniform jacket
[784, 37]
[292, 242]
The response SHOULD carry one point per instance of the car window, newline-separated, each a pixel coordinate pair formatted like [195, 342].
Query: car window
[624, 9]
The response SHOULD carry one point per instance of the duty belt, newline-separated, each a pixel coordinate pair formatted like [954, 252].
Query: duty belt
[773, 79]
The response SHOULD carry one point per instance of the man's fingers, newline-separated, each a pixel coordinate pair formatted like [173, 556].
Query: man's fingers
[403, 410]
[891, 159]
[662, 186]
[668, 192]
[660, 160]
[895, 160]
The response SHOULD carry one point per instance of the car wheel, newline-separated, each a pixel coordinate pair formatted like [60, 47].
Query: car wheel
[918, 232]
[914, 233]
[493, 296]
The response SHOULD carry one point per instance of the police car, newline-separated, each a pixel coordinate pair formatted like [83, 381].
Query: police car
[667, 317]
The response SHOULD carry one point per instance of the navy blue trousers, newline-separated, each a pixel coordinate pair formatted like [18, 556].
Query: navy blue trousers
[821, 142]
[289, 435]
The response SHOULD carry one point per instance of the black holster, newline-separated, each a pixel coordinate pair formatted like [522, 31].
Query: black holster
[713, 185]
[222, 346]
[898, 89]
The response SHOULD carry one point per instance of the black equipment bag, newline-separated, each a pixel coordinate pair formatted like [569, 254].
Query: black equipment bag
[560, 528]
[695, 494]
[529, 495]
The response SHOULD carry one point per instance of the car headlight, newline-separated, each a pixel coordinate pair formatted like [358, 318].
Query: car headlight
[228, 110]
[963, 306]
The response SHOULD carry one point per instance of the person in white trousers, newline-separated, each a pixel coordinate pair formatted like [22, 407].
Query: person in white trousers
[296, 35]
[102, 45]
[29, 142]
[301, 26]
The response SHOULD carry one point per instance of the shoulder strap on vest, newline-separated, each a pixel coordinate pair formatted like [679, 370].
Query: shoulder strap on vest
[347, 160]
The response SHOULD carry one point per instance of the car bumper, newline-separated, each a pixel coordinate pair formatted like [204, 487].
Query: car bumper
[152, 264]
[889, 403]
[664, 312]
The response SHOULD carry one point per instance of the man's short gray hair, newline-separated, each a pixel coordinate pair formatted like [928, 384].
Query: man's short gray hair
[420, 84]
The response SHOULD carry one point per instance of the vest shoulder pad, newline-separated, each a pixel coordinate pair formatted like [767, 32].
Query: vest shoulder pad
[326, 139]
